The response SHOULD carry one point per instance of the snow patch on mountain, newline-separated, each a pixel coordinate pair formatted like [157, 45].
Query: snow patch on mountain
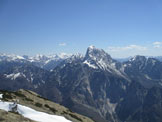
[10, 57]
[1, 96]
[91, 47]
[35, 86]
[19, 57]
[112, 106]
[147, 77]
[43, 82]
[13, 76]
[33, 114]
[89, 64]
[102, 64]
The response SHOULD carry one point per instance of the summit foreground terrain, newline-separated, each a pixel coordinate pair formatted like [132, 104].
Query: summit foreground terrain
[31, 106]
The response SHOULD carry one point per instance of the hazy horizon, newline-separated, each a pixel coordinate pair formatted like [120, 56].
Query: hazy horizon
[83, 54]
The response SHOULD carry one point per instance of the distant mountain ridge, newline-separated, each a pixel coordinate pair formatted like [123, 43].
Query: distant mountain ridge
[44, 60]
[95, 85]
[128, 58]
[47, 62]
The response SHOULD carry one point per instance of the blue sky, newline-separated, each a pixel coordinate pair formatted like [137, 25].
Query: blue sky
[120, 27]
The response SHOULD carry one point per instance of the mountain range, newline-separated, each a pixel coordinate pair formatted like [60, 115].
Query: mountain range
[94, 85]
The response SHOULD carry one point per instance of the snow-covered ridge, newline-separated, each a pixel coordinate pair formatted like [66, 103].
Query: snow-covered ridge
[38, 57]
[13, 76]
[89, 64]
[100, 58]
[47, 58]
[11, 57]
[33, 114]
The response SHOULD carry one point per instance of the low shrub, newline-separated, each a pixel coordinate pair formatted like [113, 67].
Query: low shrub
[38, 104]
[52, 109]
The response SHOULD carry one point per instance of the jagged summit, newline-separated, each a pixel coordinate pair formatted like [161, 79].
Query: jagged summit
[138, 58]
[98, 58]
[96, 54]
[91, 47]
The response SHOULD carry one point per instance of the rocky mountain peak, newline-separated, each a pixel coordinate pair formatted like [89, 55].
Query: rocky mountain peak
[97, 54]
[138, 58]
[143, 61]
[98, 58]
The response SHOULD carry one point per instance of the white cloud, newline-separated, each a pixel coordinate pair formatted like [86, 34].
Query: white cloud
[126, 48]
[152, 49]
[157, 44]
[62, 44]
